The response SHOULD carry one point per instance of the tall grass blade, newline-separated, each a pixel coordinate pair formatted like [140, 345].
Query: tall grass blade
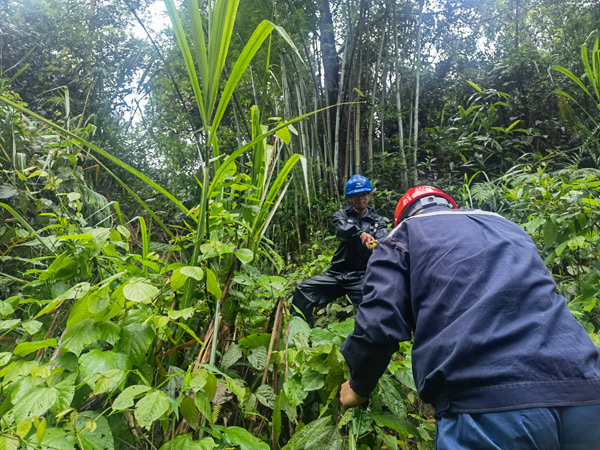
[28, 227]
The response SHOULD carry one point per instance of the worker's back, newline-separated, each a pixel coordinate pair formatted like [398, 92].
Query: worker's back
[491, 332]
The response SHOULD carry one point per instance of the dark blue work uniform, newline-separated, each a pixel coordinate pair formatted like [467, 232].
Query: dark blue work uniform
[347, 270]
[490, 333]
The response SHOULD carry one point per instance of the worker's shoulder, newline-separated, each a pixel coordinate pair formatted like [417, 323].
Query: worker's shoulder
[439, 213]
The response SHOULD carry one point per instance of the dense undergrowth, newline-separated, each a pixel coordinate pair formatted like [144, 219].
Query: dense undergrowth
[107, 335]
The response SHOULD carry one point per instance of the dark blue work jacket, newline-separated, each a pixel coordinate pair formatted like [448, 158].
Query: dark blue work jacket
[489, 331]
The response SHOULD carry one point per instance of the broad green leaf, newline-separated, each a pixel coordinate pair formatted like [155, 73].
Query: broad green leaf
[193, 272]
[400, 426]
[245, 255]
[98, 300]
[212, 284]
[24, 427]
[56, 438]
[186, 442]
[101, 437]
[77, 291]
[6, 309]
[255, 340]
[284, 135]
[139, 291]
[79, 337]
[40, 426]
[294, 392]
[392, 396]
[277, 416]
[244, 439]
[312, 380]
[108, 331]
[190, 412]
[302, 439]
[235, 387]
[8, 324]
[231, 356]
[152, 407]
[265, 395]
[25, 348]
[203, 405]
[186, 313]
[109, 381]
[124, 231]
[9, 443]
[126, 398]
[258, 358]
[36, 403]
[477, 88]
[32, 327]
[178, 279]
[66, 392]
[62, 268]
[18, 370]
[97, 362]
[4, 358]
[181, 274]
[550, 231]
[7, 191]
[136, 339]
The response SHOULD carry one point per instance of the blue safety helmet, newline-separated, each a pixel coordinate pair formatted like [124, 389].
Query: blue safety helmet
[358, 183]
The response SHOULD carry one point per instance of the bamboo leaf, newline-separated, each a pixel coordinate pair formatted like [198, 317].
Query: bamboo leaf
[187, 57]
[474, 86]
[515, 123]
[574, 78]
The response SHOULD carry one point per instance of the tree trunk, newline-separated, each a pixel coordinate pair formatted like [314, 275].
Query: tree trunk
[403, 162]
[333, 91]
[374, 95]
[415, 174]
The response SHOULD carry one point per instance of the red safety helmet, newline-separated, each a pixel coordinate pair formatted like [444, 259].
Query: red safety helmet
[414, 194]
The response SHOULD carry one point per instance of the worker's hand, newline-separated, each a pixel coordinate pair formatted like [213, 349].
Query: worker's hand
[368, 240]
[350, 398]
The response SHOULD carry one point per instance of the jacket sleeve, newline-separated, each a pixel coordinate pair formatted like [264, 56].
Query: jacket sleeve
[382, 230]
[383, 319]
[345, 230]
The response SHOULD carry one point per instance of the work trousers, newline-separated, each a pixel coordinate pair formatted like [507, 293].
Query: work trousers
[322, 289]
[560, 428]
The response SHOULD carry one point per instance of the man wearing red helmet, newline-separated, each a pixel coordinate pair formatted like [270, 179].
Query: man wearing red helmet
[358, 227]
[495, 350]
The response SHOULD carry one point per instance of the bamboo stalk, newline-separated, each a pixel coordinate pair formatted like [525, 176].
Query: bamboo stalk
[274, 332]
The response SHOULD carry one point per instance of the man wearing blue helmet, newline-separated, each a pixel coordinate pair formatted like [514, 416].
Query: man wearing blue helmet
[358, 227]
